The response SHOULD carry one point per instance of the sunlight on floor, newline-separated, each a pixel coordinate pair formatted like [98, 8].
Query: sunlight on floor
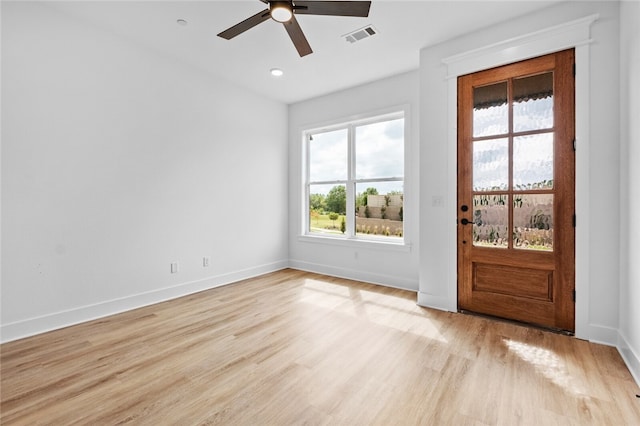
[326, 295]
[389, 311]
[550, 365]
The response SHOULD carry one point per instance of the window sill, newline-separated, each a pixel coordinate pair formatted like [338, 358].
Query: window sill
[357, 243]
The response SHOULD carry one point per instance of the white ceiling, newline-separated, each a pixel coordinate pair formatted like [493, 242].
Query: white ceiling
[404, 27]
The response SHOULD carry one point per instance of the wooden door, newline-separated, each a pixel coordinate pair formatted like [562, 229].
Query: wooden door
[516, 191]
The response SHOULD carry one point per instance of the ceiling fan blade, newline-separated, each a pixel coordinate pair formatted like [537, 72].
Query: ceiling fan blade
[297, 37]
[245, 25]
[335, 8]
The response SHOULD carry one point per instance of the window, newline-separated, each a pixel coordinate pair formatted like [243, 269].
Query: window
[355, 179]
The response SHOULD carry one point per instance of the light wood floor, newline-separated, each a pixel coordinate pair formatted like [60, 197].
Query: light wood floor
[300, 348]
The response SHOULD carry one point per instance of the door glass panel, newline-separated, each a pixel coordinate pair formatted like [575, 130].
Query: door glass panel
[533, 162]
[533, 222]
[491, 220]
[533, 102]
[490, 110]
[491, 165]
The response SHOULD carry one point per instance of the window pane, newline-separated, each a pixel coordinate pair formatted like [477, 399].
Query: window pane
[533, 102]
[491, 165]
[533, 221]
[328, 156]
[533, 162]
[327, 208]
[490, 112]
[362, 158]
[380, 149]
[491, 220]
[379, 209]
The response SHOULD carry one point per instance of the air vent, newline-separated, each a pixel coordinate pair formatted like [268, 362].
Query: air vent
[360, 34]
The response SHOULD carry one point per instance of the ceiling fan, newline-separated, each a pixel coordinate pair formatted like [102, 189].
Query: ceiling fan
[285, 11]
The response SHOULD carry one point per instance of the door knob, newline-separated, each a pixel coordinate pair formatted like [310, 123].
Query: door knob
[465, 221]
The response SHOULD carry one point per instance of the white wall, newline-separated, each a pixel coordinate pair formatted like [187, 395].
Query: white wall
[370, 262]
[116, 162]
[598, 220]
[629, 343]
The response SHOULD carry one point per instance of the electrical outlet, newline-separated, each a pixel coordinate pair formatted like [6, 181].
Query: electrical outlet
[206, 261]
[174, 267]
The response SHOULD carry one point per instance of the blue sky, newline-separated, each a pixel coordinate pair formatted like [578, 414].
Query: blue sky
[379, 154]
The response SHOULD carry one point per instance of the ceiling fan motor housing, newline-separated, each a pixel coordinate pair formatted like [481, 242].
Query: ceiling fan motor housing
[281, 11]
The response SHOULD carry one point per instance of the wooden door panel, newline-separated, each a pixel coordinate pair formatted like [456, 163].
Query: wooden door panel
[515, 221]
[515, 308]
[508, 280]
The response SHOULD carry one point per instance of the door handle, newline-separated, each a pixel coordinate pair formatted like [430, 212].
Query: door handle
[466, 221]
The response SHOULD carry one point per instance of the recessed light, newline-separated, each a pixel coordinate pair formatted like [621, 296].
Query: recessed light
[277, 72]
[182, 22]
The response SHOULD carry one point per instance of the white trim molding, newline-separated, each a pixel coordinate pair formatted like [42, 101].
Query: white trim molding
[435, 302]
[392, 281]
[573, 34]
[630, 358]
[553, 39]
[32, 326]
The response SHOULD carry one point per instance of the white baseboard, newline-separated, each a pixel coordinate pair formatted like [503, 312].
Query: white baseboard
[25, 328]
[599, 334]
[358, 275]
[435, 302]
[630, 357]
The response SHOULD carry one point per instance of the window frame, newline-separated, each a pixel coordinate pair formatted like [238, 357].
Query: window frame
[350, 236]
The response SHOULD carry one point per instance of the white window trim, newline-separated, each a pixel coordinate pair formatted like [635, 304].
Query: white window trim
[368, 243]
[372, 242]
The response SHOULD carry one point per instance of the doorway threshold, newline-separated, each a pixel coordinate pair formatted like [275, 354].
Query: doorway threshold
[516, 322]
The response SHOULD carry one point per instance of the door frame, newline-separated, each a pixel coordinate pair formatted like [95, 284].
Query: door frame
[548, 274]
[574, 34]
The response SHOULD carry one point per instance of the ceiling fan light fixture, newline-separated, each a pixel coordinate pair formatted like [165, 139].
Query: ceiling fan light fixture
[281, 11]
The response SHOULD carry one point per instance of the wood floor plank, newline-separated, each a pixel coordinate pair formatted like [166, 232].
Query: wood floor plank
[293, 347]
